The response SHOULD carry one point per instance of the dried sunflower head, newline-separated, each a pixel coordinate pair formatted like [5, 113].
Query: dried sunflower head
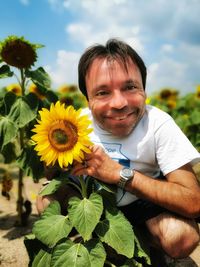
[18, 52]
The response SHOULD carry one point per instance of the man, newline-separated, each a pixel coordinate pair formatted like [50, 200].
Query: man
[134, 144]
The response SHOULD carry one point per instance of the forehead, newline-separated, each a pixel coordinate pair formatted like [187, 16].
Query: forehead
[107, 66]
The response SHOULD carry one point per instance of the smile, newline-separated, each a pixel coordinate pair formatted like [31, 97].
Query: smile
[120, 118]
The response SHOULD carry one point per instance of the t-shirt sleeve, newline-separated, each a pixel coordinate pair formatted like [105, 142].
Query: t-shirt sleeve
[173, 149]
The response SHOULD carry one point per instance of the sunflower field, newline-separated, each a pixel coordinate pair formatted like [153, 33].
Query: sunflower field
[42, 130]
[184, 109]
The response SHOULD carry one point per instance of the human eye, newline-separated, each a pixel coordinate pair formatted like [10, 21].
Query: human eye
[102, 93]
[130, 87]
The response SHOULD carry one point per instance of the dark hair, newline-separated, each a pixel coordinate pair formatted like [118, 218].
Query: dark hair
[114, 49]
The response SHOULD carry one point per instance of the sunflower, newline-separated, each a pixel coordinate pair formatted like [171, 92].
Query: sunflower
[15, 88]
[18, 52]
[64, 89]
[62, 135]
[33, 88]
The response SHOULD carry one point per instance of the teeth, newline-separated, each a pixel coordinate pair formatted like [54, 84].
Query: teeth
[120, 118]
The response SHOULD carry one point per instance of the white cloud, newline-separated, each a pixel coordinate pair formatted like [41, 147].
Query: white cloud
[167, 48]
[165, 33]
[87, 34]
[24, 2]
[168, 73]
[65, 69]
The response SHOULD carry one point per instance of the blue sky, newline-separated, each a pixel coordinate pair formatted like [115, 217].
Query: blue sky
[165, 33]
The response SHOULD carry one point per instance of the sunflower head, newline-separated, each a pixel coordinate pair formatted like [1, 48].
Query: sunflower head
[64, 89]
[15, 88]
[18, 52]
[35, 90]
[61, 135]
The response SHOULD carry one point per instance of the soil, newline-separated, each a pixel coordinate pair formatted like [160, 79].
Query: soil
[12, 250]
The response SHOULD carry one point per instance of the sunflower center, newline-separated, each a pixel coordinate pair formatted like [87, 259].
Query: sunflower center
[63, 135]
[60, 136]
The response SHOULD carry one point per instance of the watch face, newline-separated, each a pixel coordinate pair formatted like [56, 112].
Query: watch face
[127, 172]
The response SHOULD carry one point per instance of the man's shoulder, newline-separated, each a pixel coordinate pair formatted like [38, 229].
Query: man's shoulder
[154, 113]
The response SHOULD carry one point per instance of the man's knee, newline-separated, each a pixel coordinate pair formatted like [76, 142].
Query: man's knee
[178, 237]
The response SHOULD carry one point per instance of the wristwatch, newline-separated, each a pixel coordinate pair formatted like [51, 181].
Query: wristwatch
[126, 174]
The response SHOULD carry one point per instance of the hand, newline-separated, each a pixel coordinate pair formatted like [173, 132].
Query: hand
[99, 165]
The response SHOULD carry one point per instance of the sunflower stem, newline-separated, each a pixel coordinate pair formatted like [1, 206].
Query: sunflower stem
[76, 186]
[83, 186]
[20, 200]
[23, 78]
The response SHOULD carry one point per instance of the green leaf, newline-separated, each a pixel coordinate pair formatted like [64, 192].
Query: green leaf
[51, 229]
[42, 259]
[7, 102]
[52, 209]
[59, 249]
[117, 232]
[5, 72]
[85, 214]
[74, 256]
[9, 153]
[39, 77]
[30, 163]
[51, 187]
[51, 96]
[97, 253]
[8, 131]
[21, 112]
[195, 116]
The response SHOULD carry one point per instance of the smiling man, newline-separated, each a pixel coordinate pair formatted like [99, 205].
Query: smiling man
[140, 149]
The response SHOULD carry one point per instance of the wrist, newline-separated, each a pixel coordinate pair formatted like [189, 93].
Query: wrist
[126, 175]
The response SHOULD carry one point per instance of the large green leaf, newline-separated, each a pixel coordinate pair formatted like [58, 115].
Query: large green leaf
[53, 209]
[42, 259]
[85, 213]
[51, 229]
[8, 131]
[117, 232]
[39, 77]
[5, 72]
[21, 112]
[30, 163]
[97, 253]
[59, 249]
[74, 256]
[51, 187]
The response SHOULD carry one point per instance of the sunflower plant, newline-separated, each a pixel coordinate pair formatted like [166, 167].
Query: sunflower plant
[84, 228]
[18, 110]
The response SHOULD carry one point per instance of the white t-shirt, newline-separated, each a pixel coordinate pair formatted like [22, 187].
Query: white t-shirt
[156, 144]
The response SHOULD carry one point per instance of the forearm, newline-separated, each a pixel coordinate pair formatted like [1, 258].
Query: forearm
[174, 197]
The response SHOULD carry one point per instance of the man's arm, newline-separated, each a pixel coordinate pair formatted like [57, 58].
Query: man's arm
[179, 193]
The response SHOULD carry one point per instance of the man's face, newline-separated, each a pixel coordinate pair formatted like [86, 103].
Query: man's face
[116, 96]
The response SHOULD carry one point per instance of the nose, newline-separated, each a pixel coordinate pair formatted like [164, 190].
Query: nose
[118, 100]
